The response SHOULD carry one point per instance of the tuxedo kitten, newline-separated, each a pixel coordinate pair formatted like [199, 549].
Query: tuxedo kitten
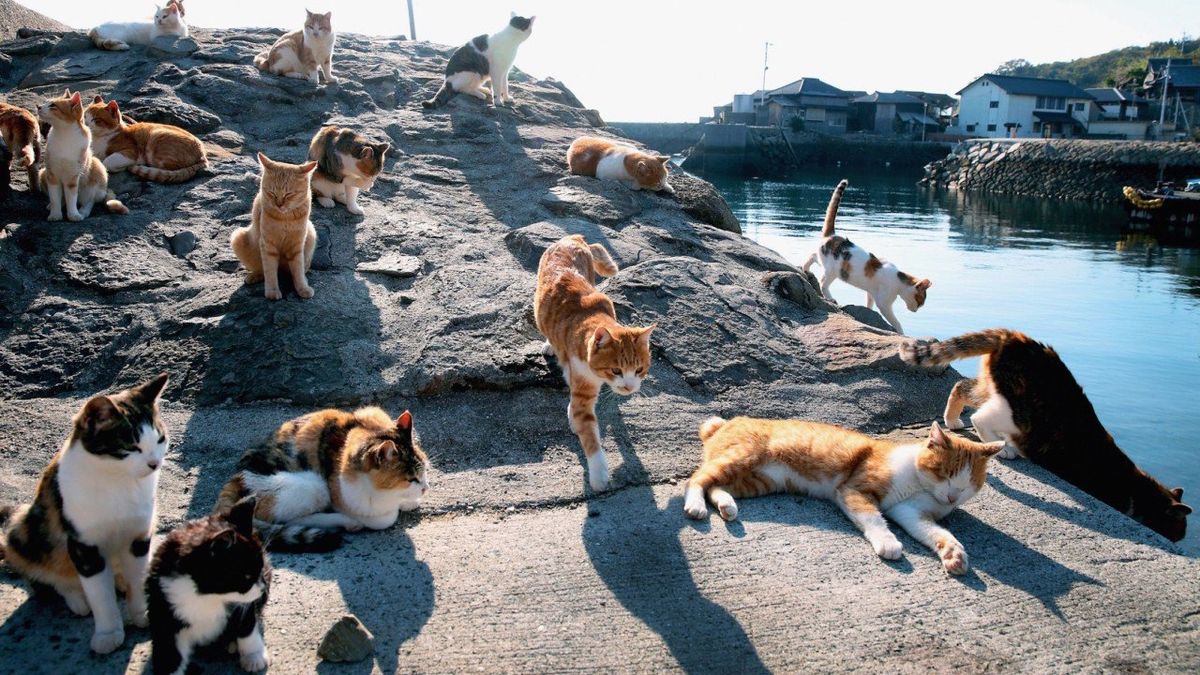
[483, 59]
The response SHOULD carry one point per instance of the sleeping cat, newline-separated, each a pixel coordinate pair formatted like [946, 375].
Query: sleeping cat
[95, 507]
[279, 230]
[485, 58]
[304, 54]
[346, 164]
[1026, 396]
[592, 347]
[119, 36]
[208, 585]
[19, 131]
[914, 484]
[363, 465]
[72, 174]
[879, 278]
[607, 160]
[157, 152]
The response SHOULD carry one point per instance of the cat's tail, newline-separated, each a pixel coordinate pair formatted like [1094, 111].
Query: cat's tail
[106, 43]
[441, 98]
[297, 538]
[153, 173]
[6, 514]
[832, 209]
[941, 352]
[710, 426]
[602, 262]
[114, 205]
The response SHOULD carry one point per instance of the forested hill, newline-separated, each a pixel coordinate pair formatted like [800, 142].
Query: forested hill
[1110, 69]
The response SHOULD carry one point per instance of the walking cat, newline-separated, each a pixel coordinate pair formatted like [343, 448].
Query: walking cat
[1026, 396]
[279, 230]
[882, 281]
[608, 160]
[914, 484]
[72, 174]
[208, 585]
[19, 131]
[485, 58]
[346, 164]
[94, 510]
[157, 152]
[117, 36]
[592, 347]
[363, 465]
[304, 54]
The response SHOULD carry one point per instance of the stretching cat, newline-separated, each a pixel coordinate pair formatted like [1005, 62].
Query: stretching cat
[303, 54]
[607, 160]
[914, 484]
[157, 152]
[119, 36]
[879, 278]
[1026, 396]
[279, 230]
[19, 131]
[95, 506]
[362, 464]
[208, 585]
[592, 347]
[346, 164]
[485, 58]
[72, 175]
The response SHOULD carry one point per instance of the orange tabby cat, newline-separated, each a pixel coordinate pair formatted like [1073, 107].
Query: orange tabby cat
[279, 230]
[592, 347]
[19, 130]
[157, 152]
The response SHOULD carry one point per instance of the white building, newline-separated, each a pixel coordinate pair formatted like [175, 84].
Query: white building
[1004, 106]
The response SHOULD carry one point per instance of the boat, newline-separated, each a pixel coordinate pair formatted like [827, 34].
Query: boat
[1169, 212]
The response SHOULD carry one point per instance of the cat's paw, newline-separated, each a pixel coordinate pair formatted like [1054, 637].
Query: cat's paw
[305, 292]
[694, 506]
[255, 661]
[54, 217]
[325, 202]
[105, 643]
[887, 546]
[253, 278]
[955, 423]
[954, 557]
[1008, 452]
[354, 209]
[548, 349]
[139, 618]
[598, 480]
[728, 509]
[273, 294]
[74, 216]
[77, 603]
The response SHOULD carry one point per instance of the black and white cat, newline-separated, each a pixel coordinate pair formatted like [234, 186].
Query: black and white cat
[483, 59]
[208, 585]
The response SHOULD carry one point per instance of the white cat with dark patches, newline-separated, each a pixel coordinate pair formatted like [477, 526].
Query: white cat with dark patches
[117, 36]
[486, 58]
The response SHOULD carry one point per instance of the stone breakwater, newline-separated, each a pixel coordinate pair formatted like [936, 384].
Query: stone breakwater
[1061, 169]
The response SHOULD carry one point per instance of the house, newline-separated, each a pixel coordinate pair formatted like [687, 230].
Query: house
[894, 113]
[819, 106]
[941, 106]
[1002, 106]
[1115, 104]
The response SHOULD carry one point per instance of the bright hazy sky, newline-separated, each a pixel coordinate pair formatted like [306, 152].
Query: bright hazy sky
[648, 60]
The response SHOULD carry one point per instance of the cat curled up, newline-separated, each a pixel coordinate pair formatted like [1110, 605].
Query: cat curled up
[347, 164]
[882, 281]
[592, 347]
[304, 54]
[157, 152]
[88, 528]
[486, 58]
[914, 484]
[608, 160]
[1026, 397]
[19, 131]
[72, 175]
[280, 232]
[119, 36]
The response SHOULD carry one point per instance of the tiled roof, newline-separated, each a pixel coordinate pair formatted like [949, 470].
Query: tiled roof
[1032, 86]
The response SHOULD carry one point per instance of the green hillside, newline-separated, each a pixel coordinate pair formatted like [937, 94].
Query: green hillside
[1113, 68]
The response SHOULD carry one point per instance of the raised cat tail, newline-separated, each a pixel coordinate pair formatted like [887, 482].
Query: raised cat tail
[710, 426]
[602, 262]
[441, 98]
[297, 538]
[114, 205]
[168, 176]
[941, 352]
[832, 209]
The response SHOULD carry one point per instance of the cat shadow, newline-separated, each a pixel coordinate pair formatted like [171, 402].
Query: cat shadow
[489, 175]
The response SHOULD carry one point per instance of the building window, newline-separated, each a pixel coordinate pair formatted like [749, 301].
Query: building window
[994, 104]
[1080, 107]
[970, 128]
[991, 127]
[1051, 103]
[814, 115]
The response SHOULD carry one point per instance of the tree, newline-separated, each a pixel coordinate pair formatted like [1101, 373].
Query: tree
[1014, 67]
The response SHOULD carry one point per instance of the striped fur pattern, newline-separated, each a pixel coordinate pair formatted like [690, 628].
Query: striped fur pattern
[347, 164]
[1026, 396]
[280, 232]
[167, 21]
[19, 131]
[304, 54]
[157, 152]
[72, 177]
[486, 59]
[608, 160]
[913, 485]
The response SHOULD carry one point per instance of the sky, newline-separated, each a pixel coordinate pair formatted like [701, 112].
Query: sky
[673, 61]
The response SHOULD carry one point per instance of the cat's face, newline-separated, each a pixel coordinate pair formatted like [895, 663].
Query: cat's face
[66, 109]
[525, 25]
[125, 430]
[285, 187]
[913, 291]
[369, 161]
[318, 25]
[1160, 509]
[953, 469]
[102, 118]
[621, 357]
[168, 18]
[393, 460]
[231, 561]
[650, 171]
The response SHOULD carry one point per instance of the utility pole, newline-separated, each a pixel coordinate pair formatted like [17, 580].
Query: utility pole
[1162, 108]
[762, 99]
[412, 22]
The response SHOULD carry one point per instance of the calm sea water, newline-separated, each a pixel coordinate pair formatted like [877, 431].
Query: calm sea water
[1123, 313]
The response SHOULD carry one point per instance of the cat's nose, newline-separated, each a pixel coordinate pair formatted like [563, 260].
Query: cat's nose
[153, 465]
[951, 498]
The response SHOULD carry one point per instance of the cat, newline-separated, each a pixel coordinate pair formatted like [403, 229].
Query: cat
[279, 231]
[362, 464]
[592, 347]
[913, 484]
[5, 172]
[156, 152]
[485, 58]
[72, 174]
[1026, 396]
[19, 131]
[880, 279]
[608, 160]
[303, 54]
[119, 36]
[346, 164]
[208, 585]
[95, 506]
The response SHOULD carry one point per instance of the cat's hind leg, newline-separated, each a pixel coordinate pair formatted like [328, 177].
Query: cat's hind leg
[863, 511]
[994, 422]
[962, 395]
[826, 282]
[73, 595]
[809, 263]
[870, 301]
[119, 162]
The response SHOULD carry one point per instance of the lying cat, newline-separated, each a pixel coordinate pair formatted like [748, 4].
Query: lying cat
[119, 36]
[1026, 396]
[913, 484]
[279, 231]
[304, 54]
[486, 58]
[346, 164]
[157, 152]
[19, 131]
[72, 176]
[879, 278]
[608, 160]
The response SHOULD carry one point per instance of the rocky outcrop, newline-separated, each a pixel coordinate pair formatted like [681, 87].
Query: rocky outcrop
[14, 18]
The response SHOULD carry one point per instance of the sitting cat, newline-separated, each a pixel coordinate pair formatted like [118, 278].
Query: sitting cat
[157, 152]
[608, 160]
[485, 58]
[363, 465]
[1026, 396]
[279, 230]
[208, 585]
[119, 36]
[913, 484]
[95, 506]
[879, 278]
[592, 347]
[72, 174]
[346, 164]
[19, 131]
[303, 54]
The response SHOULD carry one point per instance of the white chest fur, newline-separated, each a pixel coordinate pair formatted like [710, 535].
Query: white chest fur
[374, 507]
[103, 502]
[67, 147]
[204, 613]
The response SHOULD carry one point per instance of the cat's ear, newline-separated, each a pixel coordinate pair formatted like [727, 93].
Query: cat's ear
[112, 106]
[100, 413]
[937, 437]
[644, 335]
[601, 337]
[923, 284]
[97, 99]
[67, 93]
[264, 161]
[382, 149]
[531, 21]
[642, 168]
[991, 449]
[328, 16]
[367, 152]
[1182, 509]
[384, 454]
[404, 421]
[241, 516]
[223, 542]
[76, 100]
[152, 390]
[663, 159]
[1177, 493]
[308, 167]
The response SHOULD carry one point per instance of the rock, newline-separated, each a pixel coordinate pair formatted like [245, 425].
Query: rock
[182, 243]
[347, 641]
[868, 316]
[399, 266]
[596, 200]
[170, 46]
[702, 201]
[796, 287]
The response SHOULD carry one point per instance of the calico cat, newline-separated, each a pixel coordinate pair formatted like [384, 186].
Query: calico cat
[19, 131]
[882, 281]
[485, 58]
[72, 174]
[913, 484]
[208, 585]
[1025, 395]
[156, 152]
[363, 465]
[279, 230]
[346, 164]
[119, 36]
[95, 509]
[592, 347]
[607, 160]
[304, 54]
